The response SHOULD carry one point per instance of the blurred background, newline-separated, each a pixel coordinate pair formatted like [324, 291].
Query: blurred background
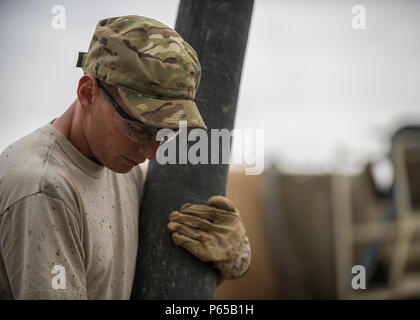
[340, 110]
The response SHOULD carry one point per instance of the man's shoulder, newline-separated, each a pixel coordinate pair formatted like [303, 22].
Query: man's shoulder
[29, 166]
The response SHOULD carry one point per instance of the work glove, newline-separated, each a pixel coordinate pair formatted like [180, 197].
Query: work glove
[213, 232]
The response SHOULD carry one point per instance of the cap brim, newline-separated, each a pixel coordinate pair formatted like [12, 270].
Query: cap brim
[162, 113]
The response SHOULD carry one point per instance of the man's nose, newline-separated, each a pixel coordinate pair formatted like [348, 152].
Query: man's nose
[149, 149]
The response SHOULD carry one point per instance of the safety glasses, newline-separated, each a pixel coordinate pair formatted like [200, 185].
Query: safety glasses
[132, 128]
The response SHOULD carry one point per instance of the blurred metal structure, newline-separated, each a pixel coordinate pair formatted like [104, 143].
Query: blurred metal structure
[321, 226]
[278, 232]
[318, 226]
[399, 236]
[298, 217]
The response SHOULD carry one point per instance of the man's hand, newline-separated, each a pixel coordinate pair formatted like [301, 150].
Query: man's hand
[213, 232]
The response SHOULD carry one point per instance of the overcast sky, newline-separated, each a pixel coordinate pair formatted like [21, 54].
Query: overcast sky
[320, 89]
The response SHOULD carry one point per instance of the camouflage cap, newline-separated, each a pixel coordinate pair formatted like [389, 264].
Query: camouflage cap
[156, 72]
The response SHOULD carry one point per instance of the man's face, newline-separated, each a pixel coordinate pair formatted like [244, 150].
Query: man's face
[110, 146]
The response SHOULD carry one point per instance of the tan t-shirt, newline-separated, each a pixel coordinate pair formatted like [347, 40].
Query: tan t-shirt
[62, 216]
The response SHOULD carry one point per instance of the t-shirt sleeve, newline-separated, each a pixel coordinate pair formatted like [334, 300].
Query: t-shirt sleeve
[42, 249]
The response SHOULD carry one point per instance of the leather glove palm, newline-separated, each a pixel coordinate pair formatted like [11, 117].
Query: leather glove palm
[215, 233]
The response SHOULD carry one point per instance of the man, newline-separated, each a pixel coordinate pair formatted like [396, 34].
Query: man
[70, 192]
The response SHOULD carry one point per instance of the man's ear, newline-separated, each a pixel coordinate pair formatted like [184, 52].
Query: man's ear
[87, 91]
